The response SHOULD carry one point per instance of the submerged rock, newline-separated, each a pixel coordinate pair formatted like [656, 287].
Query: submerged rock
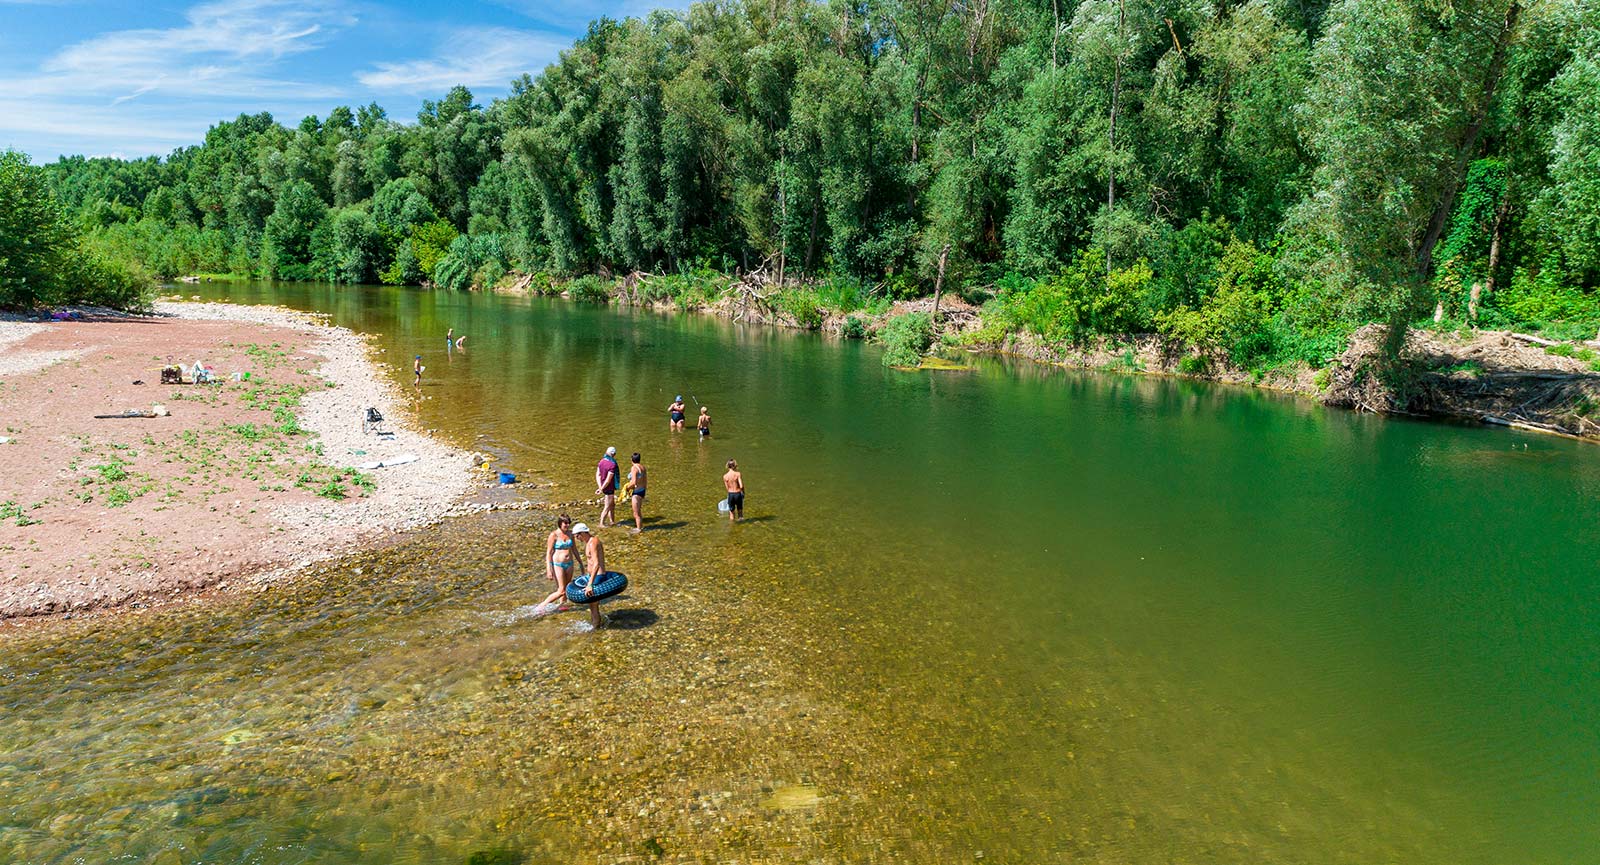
[793, 798]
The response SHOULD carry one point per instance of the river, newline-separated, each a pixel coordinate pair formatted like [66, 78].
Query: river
[1010, 614]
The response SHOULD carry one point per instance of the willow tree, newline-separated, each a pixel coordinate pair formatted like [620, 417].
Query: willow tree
[1403, 89]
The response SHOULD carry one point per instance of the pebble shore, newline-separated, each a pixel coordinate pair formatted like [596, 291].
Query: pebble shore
[407, 496]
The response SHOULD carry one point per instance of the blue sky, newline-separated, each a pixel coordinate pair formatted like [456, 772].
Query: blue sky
[139, 78]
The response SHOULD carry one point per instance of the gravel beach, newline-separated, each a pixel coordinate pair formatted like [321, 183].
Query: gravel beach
[227, 491]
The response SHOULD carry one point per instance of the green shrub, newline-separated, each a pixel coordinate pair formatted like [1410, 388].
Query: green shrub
[901, 286]
[906, 338]
[1083, 301]
[1235, 319]
[106, 281]
[843, 294]
[540, 283]
[854, 328]
[801, 305]
[1541, 302]
[589, 289]
[1194, 364]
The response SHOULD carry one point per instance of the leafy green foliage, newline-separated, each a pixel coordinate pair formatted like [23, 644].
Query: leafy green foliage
[1234, 320]
[1083, 300]
[44, 259]
[589, 289]
[801, 306]
[1087, 163]
[906, 338]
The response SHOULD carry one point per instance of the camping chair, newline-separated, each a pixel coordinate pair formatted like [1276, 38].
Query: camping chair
[371, 421]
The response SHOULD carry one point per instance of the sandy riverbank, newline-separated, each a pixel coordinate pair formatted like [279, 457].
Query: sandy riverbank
[243, 483]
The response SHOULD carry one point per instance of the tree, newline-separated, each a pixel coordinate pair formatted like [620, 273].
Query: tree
[287, 242]
[37, 242]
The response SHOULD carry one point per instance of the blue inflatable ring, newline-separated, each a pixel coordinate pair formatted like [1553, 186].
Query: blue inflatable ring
[611, 584]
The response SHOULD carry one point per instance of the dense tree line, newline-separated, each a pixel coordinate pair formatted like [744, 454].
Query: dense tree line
[44, 259]
[1252, 177]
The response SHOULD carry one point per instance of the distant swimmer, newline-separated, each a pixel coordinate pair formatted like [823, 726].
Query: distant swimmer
[635, 485]
[416, 369]
[734, 482]
[595, 558]
[704, 424]
[675, 413]
[461, 342]
[605, 480]
[559, 558]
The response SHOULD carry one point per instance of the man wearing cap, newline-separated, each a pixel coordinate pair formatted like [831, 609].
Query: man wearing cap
[605, 479]
[675, 412]
[416, 367]
[595, 559]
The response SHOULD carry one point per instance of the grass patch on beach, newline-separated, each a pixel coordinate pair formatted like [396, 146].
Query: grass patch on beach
[10, 510]
[266, 455]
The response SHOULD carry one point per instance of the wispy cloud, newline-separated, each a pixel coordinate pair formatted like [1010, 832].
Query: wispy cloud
[114, 131]
[476, 57]
[219, 51]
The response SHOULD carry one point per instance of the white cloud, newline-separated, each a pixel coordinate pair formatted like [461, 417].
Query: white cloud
[93, 130]
[477, 57]
[217, 52]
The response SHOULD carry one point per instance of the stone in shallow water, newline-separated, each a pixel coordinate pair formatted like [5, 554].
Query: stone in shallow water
[793, 798]
[496, 857]
[240, 736]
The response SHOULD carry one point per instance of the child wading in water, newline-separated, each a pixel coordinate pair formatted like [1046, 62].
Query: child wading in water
[416, 368]
[635, 485]
[734, 481]
[705, 422]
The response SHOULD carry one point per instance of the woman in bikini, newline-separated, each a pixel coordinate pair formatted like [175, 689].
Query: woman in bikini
[559, 560]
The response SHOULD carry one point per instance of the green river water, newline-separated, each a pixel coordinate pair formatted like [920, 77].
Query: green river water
[1009, 614]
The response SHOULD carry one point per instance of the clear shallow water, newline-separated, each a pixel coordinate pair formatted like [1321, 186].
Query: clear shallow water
[1034, 614]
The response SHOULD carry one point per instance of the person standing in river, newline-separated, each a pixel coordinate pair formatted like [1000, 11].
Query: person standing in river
[449, 338]
[635, 489]
[605, 479]
[704, 424]
[595, 560]
[675, 414]
[733, 481]
[559, 560]
[416, 369]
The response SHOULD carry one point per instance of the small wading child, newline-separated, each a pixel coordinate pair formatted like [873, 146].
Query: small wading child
[734, 482]
[416, 369]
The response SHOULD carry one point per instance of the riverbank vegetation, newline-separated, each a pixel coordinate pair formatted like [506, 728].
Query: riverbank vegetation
[45, 258]
[1250, 180]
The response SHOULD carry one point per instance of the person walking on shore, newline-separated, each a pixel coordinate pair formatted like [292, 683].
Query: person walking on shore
[675, 414]
[416, 369]
[559, 559]
[595, 560]
[704, 424]
[605, 479]
[734, 482]
[635, 487]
